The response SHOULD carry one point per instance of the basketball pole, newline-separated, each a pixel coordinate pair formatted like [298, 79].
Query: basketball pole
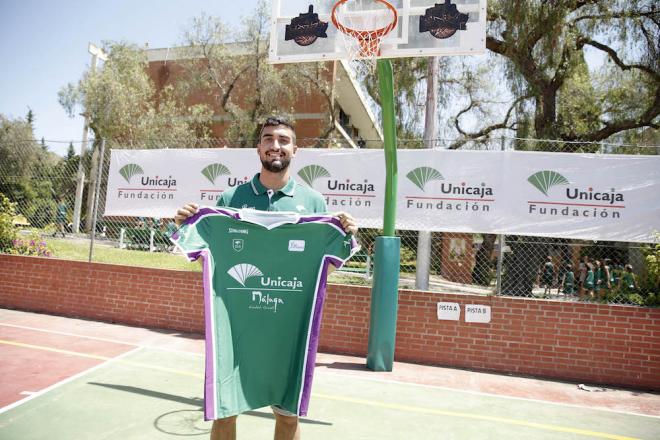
[384, 290]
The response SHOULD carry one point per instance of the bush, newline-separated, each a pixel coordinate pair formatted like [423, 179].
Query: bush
[651, 282]
[32, 246]
[7, 230]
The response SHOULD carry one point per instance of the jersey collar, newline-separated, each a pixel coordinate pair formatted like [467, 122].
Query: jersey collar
[259, 188]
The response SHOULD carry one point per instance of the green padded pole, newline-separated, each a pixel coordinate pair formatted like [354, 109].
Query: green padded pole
[384, 290]
[385, 81]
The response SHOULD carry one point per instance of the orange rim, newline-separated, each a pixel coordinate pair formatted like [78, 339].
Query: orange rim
[366, 37]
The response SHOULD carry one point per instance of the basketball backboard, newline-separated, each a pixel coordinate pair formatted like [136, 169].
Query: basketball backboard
[304, 30]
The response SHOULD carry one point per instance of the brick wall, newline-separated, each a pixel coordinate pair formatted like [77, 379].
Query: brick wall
[593, 343]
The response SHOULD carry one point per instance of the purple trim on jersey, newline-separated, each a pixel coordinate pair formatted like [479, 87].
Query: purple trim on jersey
[206, 211]
[321, 219]
[193, 255]
[210, 392]
[209, 339]
[313, 344]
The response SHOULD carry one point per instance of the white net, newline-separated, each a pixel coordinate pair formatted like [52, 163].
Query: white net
[362, 26]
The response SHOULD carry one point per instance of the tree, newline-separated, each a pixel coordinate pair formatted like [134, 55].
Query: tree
[122, 106]
[543, 46]
[535, 79]
[7, 229]
[223, 63]
[25, 169]
[122, 103]
[29, 118]
[535, 82]
[70, 152]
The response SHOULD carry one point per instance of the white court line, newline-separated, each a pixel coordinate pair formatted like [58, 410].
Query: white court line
[374, 379]
[95, 338]
[55, 332]
[67, 380]
[481, 393]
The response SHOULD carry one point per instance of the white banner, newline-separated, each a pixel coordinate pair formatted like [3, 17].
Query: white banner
[586, 196]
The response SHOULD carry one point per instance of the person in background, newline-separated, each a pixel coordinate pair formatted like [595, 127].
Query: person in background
[588, 290]
[582, 271]
[616, 271]
[606, 283]
[598, 278]
[547, 276]
[568, 281]
[60, 216]
[628, 280]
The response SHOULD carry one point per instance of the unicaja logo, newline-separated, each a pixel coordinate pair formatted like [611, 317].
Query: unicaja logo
[242, 272]
[310, 173]
[215, 170]
[339, 194]
[544, 180]
[573, 200]
[130, 170]
[446, 195]
[147, 188]
[422, 175]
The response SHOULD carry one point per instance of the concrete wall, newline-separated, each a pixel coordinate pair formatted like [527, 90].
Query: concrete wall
[607, 344]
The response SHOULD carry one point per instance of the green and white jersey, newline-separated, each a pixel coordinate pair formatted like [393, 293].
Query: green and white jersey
[264, 285]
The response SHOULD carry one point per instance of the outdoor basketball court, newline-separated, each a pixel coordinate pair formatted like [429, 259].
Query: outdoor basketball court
[68, 379]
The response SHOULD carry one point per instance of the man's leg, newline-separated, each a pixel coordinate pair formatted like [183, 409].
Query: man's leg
[286, 427]
[224, 429]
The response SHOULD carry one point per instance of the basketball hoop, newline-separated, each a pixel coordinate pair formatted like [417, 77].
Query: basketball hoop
[364, 43]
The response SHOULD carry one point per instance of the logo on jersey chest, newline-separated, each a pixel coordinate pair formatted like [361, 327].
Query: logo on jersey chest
[296, 245]
[237, 244]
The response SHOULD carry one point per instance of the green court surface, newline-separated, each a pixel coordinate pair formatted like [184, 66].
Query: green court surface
[151, 393]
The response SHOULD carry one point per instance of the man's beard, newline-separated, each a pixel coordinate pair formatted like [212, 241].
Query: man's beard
[276, 166]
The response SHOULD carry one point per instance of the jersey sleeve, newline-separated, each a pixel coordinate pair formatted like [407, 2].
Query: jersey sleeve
[190, 239]
[340, 247]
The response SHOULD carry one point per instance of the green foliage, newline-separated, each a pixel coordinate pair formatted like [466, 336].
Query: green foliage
[651, 281]
[578, 106]
[124, 105]
[7, 230]
[31, 174]
[70, 152]
[535, 82]
[229, 67]
[18, 150]
[544, 45]
[652, 299]
[32, 246]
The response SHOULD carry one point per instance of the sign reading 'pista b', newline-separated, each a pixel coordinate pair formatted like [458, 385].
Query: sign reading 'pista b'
[586, 196]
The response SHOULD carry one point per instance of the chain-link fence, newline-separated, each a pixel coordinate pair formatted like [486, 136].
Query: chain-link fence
[56, 213]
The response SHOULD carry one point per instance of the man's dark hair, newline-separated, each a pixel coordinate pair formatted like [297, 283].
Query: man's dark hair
[274, 121]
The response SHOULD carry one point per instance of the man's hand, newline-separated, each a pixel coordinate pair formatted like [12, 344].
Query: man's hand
[184, 212]
[347, 222]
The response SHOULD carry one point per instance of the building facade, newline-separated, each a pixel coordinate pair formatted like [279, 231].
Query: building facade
[355, 124]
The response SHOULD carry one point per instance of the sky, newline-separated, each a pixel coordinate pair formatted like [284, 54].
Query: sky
[44, 47]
